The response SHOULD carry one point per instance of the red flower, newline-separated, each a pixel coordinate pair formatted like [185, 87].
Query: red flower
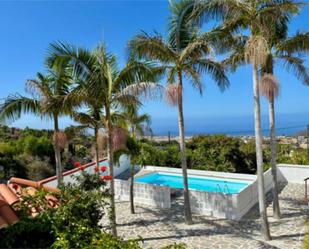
[77, 164]
[96, 169]
[82, 167]
[103, 168]
[106, 178]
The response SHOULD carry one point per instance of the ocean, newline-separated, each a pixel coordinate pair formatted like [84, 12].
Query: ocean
[286, 124]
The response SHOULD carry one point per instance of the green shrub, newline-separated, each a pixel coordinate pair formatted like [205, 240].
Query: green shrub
[39, 169]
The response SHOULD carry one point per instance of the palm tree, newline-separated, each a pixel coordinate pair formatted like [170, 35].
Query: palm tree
[281, 49]
[259, 17]
[114, 88]
[184, 54]
[48, 93]
[136, 125]
[91, 119]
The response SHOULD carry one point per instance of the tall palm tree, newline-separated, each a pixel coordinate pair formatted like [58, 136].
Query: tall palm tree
[48, 94]
[113, 87]
[257, 17]
[185, 54]
[284, 50]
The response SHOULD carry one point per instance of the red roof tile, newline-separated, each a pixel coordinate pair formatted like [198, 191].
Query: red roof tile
[14, 191]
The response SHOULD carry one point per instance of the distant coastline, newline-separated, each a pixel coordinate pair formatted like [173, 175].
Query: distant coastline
[287, 124]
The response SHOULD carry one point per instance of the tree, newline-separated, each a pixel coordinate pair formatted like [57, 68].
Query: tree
[114, 88]
[281, 49]
[136, 125]
[258, 17]
[185, 54]
[48, 94]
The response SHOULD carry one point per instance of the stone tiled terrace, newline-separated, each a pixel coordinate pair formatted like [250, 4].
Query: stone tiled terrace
[161, 227]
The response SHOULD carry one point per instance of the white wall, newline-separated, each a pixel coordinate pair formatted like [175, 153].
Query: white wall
[124, 164]
[292, 173]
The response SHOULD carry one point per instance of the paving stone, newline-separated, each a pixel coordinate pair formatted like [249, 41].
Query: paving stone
[159, 227]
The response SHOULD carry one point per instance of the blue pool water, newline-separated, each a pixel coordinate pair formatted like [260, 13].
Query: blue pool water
[197, 183]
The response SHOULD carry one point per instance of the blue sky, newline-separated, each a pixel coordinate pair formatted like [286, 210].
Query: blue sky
[27, 27]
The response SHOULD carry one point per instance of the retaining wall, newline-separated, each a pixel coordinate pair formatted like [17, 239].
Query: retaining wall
[144, 194]
[292, 173]
[228, 206]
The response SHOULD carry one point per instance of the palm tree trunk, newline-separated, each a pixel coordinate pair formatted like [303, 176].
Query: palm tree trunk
[97, 160]
[132, 190]
[273, 148]
[187, 207]
[57, 152]
[111, 170]
[259, 155]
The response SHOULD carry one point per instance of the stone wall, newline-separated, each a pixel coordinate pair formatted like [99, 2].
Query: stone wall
[209, 203]
[144, 194]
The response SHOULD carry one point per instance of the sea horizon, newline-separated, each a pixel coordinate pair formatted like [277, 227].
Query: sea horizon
[286, 124]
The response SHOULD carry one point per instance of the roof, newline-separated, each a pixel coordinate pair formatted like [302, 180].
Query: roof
[14, 192]
[17, 188]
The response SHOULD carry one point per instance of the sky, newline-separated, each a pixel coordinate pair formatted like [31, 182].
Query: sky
[28, 27]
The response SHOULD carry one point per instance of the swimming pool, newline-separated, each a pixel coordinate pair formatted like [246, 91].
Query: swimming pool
[195, 182]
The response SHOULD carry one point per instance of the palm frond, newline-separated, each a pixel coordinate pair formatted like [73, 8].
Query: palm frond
[151, 47]
[39, 87]
[85, 119]
[180, 30]
[79, 58]
[215, 71]
[135, 72]
[296, 44]
[195, 49]
[146, 90]
[15, 105]
[194, 78]
[296, 65]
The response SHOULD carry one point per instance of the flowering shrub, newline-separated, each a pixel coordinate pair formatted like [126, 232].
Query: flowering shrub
[74, 224]
[77, 164]
[96, 169]
[106, 178]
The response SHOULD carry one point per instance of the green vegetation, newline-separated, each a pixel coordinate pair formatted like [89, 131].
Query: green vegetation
[74, 224]
[250, 32]
[29, 153]
[306, 238]
[216, 152]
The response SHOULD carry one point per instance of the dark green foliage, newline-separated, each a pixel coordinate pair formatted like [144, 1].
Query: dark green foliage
[217, 152]
[74, 224]
[29, 153]
[28, 233]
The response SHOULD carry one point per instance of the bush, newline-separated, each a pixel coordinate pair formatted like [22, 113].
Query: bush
[74, 224]
[39, 169]
[216, 152]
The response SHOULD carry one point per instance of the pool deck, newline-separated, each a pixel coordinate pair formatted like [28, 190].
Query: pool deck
[160, 227]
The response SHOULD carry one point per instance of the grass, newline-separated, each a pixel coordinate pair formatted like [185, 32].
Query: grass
[306, 239]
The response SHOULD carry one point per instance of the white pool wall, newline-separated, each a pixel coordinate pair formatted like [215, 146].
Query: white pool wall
[220, 205]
